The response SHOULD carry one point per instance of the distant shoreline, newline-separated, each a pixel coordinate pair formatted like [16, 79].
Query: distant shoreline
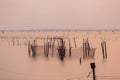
[54, 30]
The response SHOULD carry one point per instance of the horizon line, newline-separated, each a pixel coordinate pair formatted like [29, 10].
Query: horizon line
[34, 30]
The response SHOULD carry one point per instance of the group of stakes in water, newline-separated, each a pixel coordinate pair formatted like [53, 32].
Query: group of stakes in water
[47, 45]
[88, 52]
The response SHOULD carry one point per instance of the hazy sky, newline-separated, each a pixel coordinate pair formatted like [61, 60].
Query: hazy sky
[59, 14]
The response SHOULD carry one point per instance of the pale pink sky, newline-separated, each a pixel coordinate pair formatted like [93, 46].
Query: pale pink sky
[59, 14]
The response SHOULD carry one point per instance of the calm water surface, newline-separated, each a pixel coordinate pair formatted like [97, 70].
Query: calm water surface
[15, 64]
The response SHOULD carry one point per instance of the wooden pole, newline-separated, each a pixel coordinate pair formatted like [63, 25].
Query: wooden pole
[29, 47]
[47, 49]
[80, 61]
[105, 50]
[44, 47]
[70, 51]
[53, 46]
[74, 42]
[93, 69]
[88, 47]
[102, 46]
[69, 48]
[83, 49]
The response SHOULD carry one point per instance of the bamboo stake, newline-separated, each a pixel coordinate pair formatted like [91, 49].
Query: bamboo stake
[74, 42]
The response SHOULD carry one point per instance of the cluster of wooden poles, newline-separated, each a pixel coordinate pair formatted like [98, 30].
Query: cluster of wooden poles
[32, 47]
[61, 47]
[48, 43]
[88, 51]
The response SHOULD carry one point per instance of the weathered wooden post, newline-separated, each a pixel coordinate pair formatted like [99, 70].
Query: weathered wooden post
[70, 48]
[61, 49]
[33, 48]
[29, 47]
[50, 42]
[47, 49]
[80, 60]
[88, 47]
[83, 49]
[93, 69]
[92, 52]
[104, 49]
[70, 51]
[74, 42]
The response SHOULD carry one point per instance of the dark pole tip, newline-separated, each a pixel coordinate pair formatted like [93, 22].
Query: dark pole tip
[92, 65]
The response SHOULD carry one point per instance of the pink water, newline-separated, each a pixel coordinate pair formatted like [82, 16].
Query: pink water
[15, 64]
